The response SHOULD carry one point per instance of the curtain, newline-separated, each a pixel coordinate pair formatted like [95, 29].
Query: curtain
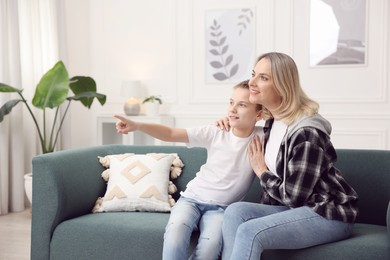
[28, 48]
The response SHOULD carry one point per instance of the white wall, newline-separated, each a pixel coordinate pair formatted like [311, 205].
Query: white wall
[160, 42]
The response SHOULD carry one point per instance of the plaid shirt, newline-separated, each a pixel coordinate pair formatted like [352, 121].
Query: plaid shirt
[311, 177]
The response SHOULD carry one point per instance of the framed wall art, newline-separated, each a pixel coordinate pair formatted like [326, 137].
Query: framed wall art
[226, 36]
[338, 32]
[229, 44]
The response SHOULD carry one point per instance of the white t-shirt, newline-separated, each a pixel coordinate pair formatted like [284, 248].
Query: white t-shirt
[227, 174]
[275, 139]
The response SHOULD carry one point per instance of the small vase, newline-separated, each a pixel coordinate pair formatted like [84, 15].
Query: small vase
[131, 109]
[28, 186]
[152, 108]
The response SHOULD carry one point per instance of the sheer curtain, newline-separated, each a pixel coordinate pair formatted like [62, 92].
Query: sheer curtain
[28, 48]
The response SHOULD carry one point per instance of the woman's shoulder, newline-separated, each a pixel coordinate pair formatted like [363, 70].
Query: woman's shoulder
[310, 136]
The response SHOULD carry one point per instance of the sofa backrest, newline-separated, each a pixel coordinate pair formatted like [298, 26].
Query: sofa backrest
[368, 172]
[193, 159]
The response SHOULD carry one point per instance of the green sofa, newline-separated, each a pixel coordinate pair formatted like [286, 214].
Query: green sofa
[66, 185]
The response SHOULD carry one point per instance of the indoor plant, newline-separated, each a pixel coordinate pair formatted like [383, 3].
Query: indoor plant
[152, 105]
[51, 92]
[153, 99]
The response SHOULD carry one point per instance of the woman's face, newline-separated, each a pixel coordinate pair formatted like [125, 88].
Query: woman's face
[262, 89]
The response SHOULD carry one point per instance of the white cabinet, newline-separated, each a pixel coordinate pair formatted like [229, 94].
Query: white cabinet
[106, 132]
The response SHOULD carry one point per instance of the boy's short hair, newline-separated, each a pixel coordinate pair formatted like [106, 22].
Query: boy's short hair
[245, 85]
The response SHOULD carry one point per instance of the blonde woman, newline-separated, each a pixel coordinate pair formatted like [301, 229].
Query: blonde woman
[305, 201]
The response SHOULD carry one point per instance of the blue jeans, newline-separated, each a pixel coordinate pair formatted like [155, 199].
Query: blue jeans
[250, 228]
[186, 216]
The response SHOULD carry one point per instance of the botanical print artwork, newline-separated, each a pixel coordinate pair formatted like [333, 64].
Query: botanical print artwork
[230, 44]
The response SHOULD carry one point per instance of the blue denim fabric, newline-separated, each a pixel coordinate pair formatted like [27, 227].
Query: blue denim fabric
[250, 228]
[186, 216]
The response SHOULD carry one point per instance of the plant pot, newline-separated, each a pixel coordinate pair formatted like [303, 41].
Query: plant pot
[28, 186]
[152, 108]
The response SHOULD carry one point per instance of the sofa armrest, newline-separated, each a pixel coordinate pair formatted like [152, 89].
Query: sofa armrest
[388, 223]
[66, 184]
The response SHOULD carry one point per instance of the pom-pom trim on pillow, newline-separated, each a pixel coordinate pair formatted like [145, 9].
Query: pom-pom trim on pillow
[135, 182]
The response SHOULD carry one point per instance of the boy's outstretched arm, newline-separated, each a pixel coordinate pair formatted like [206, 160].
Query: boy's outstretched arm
[161, 132]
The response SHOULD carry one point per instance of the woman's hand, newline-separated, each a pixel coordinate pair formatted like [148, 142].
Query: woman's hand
[256, 155]
[124, 125]
[223, 124]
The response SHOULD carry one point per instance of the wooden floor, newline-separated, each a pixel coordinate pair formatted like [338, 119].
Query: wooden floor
[15, 230]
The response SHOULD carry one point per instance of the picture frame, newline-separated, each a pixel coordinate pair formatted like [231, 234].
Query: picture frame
[229, 44]
[338, 32]
[205, 87]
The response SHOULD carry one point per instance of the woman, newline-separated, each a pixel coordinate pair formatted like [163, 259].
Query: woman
[305, 199]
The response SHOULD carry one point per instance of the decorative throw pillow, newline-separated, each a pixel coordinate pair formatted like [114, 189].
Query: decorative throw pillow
[139, 182]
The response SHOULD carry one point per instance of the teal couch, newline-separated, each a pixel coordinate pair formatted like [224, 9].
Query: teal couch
[66, 185]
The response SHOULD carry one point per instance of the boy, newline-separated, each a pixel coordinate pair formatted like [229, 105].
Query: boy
[223, 179]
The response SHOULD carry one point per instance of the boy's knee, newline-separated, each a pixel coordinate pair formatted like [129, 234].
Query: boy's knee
[207, 248]
[175, 230]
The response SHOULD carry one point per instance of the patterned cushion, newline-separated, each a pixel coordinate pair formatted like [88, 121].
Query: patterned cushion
[139, 182]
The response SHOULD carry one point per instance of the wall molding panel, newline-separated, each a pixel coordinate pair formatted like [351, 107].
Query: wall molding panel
[364, 139]
[167, 54]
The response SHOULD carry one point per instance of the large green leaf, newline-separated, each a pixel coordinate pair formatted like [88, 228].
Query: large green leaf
[84, 89]
[7, 108]
[89, 96]
[53, 87]
[6, 88]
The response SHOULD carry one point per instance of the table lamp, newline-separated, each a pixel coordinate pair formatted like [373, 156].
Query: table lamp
[132, 91]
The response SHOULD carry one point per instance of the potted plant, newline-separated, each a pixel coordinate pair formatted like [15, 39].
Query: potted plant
[51, 92]
[152, 104]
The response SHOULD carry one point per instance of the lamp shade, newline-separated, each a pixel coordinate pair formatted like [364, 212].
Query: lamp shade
[131, 88]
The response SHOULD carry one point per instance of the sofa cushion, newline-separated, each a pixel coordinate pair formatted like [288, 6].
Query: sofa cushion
[367, 242]
[138, 182]
[104, 235]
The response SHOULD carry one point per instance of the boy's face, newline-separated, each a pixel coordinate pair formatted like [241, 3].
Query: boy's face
[242, 114]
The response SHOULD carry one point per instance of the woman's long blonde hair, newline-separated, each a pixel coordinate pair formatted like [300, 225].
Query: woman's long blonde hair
[295, 103]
